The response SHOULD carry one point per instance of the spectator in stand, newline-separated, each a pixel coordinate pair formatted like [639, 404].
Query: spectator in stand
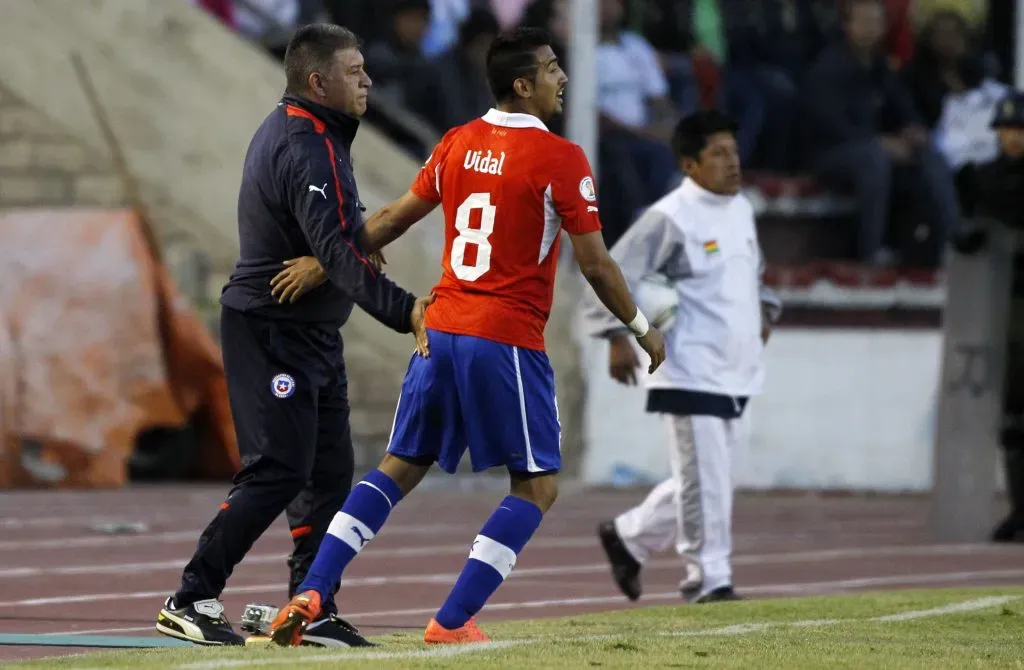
[366, 18]
[552, 16]
[772, 44]
[899, 40]
[863, 132]
[269, 22]
[668, 25]
[1002, 22]
[509, 13]
[694, 38]
[713, 25]
[974, 12]
[463, 70]
[445, 18]
[957, 98]
[402, 74]
[636, 121]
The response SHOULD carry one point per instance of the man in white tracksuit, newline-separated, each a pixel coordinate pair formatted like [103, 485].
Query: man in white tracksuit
[702, 238]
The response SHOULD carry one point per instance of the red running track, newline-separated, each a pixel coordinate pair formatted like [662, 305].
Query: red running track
[59, 575]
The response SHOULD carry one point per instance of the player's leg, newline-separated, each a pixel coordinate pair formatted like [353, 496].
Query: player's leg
[311, 513]
[511, 415]
[275, 423]
[426, 426]
[705, 505]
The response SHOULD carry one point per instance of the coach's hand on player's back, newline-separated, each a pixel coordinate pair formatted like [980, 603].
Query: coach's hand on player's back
[300, 276]
[377, 260]
[419, 331]
[654, 344]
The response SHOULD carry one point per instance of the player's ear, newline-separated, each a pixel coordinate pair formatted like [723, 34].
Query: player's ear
[523, 87]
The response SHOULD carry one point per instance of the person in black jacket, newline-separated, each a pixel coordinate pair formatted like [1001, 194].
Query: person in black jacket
[956, 93]
[862, 131]
[997, 194]
[283, 357]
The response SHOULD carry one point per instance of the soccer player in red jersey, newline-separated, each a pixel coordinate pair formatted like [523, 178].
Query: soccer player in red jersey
[480, 379]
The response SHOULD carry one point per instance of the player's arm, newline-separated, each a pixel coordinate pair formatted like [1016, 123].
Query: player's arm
[653, 244]
[610, 287]
[331, 236]
[392, 220]
[575, 200]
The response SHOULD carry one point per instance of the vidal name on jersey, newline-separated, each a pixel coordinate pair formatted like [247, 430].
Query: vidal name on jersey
[477, 161]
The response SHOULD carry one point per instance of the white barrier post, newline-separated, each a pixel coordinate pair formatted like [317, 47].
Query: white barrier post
[967, 441]
[581, 118]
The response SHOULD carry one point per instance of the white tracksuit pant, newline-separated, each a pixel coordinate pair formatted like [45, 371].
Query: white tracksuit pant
[693, 508]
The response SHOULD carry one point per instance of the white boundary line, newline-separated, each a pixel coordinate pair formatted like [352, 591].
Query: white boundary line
[450, 577]
[734, 629]
[782, 589]
[146, 567]
[99, 540]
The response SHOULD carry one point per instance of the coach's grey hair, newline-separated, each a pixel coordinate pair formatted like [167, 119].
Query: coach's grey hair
[312, 49]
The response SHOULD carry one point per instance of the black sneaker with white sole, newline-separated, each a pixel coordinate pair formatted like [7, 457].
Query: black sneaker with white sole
[333, 631]
[722, 594]
[625, 568]
[202, 622]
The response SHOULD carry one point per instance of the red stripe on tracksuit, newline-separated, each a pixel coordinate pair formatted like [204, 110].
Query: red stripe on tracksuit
[320, 128]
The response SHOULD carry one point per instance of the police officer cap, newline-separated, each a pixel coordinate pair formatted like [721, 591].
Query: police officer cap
[1010, 112]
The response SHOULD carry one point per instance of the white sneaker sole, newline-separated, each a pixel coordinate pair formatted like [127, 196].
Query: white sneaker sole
[189, 631]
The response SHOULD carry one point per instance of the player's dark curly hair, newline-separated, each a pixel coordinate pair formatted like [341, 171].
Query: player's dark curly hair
[312, 49]
[513, 56]
[692, 132]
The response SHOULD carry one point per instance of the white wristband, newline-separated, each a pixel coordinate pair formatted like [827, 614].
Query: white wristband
[639, 324]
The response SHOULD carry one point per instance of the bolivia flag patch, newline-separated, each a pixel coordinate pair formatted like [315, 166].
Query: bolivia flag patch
[711, 247]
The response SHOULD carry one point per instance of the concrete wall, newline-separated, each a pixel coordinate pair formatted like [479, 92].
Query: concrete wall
[184, 95]
[43, 165]
[842, 410]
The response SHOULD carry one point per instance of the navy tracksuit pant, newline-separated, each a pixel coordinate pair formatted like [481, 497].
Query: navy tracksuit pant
[289, 400]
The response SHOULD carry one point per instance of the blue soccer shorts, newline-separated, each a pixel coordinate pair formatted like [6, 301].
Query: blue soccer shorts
[495, 399]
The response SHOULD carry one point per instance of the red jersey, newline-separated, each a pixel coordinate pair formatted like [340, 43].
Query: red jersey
[508, 187]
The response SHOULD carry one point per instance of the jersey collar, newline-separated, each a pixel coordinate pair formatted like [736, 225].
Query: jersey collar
[340, 123]
[496, 117]
[690, 189]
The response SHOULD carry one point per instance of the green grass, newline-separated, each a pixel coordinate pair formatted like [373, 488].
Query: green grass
[764, 634]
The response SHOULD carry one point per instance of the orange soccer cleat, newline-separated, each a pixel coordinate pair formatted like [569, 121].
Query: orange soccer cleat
[290, 623]
[438, 634]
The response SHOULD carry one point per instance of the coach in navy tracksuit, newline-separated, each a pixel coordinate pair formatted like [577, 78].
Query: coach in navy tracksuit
[283, 358]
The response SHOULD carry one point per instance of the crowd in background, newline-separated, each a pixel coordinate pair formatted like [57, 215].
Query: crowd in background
[885, 100]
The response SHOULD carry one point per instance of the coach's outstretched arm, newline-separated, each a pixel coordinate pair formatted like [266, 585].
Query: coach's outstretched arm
[604, 275]
[331, 238]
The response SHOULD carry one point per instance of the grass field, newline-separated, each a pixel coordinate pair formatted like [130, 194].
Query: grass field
[973, 628]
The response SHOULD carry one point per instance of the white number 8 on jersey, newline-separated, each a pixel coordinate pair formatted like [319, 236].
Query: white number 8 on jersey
[477, 236]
